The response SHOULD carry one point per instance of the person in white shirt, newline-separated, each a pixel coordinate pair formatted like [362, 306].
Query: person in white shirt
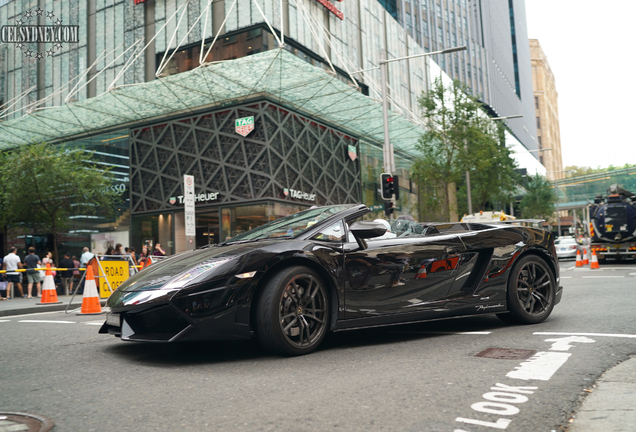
[86, 257]
[11, 263]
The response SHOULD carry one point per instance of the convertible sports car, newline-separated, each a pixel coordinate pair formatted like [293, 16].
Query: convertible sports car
[325, 269]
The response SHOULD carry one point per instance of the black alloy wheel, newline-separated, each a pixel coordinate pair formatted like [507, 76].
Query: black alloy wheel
[531, 292]
[292, 313]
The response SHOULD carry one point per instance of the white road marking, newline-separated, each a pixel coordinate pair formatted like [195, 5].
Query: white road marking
[541, 366]
[94, 323]
[563, 344]
[566, 277]
[601, 277]
[632, 274]
[5, 320]
[628, 336]
[48, 321]
[442, 332]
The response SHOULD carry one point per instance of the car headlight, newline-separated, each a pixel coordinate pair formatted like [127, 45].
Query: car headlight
[194, 274]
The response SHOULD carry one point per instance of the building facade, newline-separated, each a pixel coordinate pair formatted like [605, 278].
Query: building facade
[546, 109]
[154, 88]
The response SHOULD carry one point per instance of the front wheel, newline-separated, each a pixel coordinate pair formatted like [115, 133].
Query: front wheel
[531, 292]
[292, 312]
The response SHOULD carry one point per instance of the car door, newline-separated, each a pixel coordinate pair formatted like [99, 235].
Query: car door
[400, 275]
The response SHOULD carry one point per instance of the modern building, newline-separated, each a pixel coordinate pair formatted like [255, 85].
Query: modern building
[272, 109]
[546, 112]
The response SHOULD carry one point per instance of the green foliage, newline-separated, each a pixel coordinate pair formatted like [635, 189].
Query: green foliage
[539, 202]
[460, 138]
[46, 184]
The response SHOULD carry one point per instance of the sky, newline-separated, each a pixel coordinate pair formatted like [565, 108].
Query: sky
[590, 46]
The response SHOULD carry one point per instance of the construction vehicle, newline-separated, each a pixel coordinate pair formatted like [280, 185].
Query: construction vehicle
[613, 224]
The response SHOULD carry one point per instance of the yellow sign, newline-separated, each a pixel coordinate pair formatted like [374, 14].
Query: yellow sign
[116, 272]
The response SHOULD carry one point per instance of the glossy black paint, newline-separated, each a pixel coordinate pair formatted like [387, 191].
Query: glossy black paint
[456, 271]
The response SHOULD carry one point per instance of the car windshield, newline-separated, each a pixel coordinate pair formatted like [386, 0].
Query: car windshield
[291, 226]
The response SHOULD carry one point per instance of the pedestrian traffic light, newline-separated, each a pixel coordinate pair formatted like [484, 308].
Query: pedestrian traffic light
[388, 208]
[386, 181]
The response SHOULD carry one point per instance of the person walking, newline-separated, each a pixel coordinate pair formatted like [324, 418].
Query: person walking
[11, 263]
[31, 262]
[67, 275]
[76, 264]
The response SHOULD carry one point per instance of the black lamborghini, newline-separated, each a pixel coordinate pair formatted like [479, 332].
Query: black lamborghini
[292, 280]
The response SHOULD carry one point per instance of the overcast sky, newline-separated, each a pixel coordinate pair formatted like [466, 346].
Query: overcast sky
[591, 51]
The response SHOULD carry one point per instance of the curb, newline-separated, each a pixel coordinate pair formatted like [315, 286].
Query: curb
[43, 308]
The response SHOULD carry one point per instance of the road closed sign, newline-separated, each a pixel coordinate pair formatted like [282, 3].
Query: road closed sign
[116, 272]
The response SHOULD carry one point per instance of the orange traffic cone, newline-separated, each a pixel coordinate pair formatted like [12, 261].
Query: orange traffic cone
[585, 260]
[49, 295]
[594, 264]
[90, 301]
[579, 263]
[421, 273]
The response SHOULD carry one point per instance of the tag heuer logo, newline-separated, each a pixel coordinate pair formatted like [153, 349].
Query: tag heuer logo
[172, 200]
[244, 126]
[285, 191]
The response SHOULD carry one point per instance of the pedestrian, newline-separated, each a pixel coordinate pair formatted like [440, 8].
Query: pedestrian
[143, 256]
[118, 250]
[133, 258]
[31, 262]
[158, 250]
[76, 264]
[67, 275]
[11, 263]
[48, 259]
[86, 257]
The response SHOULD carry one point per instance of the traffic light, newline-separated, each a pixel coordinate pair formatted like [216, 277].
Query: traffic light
[396, 187]
[386, 181]
[388, 208]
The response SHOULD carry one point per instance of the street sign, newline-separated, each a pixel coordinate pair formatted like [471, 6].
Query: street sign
[117, 272]
[188, 201]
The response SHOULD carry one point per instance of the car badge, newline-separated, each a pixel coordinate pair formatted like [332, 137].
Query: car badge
[244, 126]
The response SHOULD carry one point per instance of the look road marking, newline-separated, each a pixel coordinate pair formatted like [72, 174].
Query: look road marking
[539, 367]
[628, 336]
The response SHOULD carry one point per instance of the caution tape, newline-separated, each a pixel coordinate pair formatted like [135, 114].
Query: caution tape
[52, 269]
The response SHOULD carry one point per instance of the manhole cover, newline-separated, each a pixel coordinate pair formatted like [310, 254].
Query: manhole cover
[24, 422]
[506, 353]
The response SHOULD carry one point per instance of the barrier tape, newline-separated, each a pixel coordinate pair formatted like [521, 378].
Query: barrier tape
[52, 269]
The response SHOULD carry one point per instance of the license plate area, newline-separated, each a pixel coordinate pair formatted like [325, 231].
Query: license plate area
[113, 320]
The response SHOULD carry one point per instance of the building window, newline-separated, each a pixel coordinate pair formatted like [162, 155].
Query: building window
[536, 102]
[465, 25]
[409, 23]
[538, 123]
[453, 19]
[440, 36]
[425, 28]
[438, 10]
[539, 141]
[454, 40]
[446, 14]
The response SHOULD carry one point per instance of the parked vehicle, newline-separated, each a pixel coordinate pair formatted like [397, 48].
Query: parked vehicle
[289, 282]
[566, 247]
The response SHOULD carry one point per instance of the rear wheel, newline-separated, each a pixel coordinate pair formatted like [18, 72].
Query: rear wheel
[531, 292]
[292, 312]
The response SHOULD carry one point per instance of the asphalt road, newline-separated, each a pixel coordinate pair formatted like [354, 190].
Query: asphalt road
[421, 377]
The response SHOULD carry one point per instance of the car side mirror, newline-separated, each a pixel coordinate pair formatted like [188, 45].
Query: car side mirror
[367, 229]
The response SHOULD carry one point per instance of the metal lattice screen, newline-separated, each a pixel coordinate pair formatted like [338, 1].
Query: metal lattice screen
[285, 150]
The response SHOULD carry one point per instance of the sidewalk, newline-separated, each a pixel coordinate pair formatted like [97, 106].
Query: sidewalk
[22, 306]
[611, 407]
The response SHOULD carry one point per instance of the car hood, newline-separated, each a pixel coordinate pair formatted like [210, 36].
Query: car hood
[194, 266]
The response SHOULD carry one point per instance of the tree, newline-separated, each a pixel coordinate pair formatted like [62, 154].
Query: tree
[459, 137]
[539, 202]
[576, 171]
[46, 184]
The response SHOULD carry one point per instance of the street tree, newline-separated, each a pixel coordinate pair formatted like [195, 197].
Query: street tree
[539, 201]
[459, 137]
[46, 184]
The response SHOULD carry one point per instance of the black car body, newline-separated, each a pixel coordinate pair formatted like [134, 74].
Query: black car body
[288, 287]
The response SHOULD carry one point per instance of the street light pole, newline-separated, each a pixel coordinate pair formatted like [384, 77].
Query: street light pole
[387, 148]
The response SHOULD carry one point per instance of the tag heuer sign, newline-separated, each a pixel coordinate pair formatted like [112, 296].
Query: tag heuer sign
[353, 154]
[244, 126]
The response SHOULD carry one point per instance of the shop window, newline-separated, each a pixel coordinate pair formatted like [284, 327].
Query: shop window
[152, 230]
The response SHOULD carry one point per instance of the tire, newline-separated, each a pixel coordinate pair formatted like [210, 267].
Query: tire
[292, 312]
[531, 292]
